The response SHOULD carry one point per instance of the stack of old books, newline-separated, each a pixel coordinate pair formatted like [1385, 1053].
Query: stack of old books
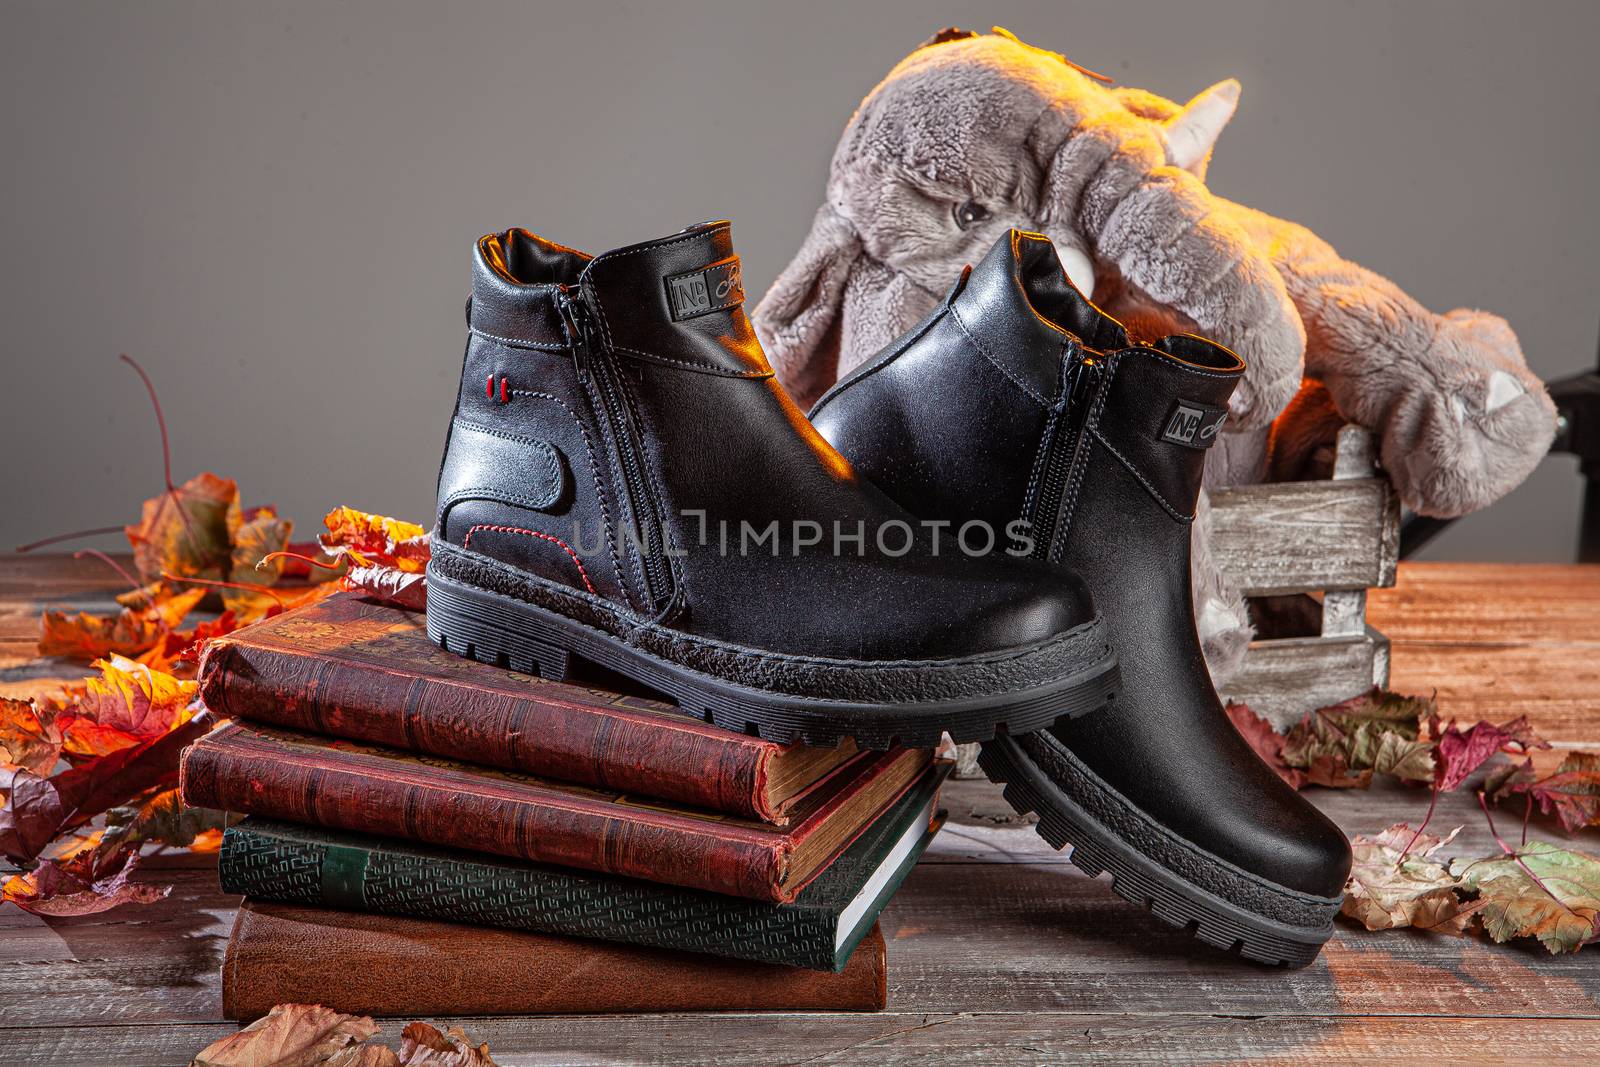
[426, 835]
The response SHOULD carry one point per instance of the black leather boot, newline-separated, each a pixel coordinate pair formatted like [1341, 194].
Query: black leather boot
[1018, 397]
[626, 481]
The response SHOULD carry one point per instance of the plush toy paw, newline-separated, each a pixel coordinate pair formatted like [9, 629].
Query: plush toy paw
[1464, 436]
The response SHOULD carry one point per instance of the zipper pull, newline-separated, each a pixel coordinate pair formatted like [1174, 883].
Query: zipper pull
[580, 324]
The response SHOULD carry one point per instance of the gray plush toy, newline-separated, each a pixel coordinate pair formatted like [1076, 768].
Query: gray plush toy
[975, 133]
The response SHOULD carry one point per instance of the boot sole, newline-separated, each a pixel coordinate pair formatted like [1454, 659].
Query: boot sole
[1141, 879]
[496, 629]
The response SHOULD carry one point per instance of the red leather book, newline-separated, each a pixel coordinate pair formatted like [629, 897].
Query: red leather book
[352, 668]
[324, 781]
[379, 965]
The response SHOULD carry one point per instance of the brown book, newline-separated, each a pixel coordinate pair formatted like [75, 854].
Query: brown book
[350, 785]
[348, 667]
[380, 965]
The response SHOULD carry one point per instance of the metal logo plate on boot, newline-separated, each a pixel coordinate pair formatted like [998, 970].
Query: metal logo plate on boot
[700, 292]
[1193, 425]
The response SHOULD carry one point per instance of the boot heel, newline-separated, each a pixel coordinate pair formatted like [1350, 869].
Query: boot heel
[457, 625]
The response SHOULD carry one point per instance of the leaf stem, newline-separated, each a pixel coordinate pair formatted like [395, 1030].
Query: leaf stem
[1433, 802]
[166, 454]
[73, 536]
[1516, 857]
[114, 565]
[295, 555]
[214, 583]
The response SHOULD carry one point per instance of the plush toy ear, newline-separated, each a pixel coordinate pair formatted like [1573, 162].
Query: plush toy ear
[798, 319]
[1193, 131]
[1178, 244]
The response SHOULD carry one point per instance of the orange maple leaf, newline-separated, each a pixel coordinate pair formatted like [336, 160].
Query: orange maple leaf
[376, 540]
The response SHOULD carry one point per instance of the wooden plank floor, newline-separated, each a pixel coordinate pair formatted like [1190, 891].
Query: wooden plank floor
[999, 950]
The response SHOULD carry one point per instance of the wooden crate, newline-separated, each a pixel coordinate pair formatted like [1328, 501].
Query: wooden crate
[1305, 553]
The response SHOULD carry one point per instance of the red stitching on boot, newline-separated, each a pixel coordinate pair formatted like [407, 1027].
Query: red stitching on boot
[466, 542]
[488, 387]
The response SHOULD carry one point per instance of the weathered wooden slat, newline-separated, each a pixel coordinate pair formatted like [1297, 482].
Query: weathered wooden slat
[1295, 536]
[1283, 679]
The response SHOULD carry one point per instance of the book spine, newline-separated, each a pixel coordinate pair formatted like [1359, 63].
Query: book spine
[376, 965]
[288, 870]
[259, 780]
[547, 737]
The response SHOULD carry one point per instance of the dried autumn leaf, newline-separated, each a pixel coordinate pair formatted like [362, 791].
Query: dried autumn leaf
[1541, 890]
[1376, 731]
[84, 739]
[32, 814]
[1409, 759]
[261, 534]
[406, 589]
[89, 637]
[135, 699]
[422, 1045]
[164, 818]
[1508, 780]
[90, 881]
[1458, 754]
[368, 1055]
[29, 736]
[188, 531]
[1572, 793]
[1266, 741]
[37, 809]
[1396, 879]
[291, 1034]
[375, 539]
[1332, 772]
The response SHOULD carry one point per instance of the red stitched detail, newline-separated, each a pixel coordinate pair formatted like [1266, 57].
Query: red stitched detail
[502, 390]
[467, 543]
[488, 387]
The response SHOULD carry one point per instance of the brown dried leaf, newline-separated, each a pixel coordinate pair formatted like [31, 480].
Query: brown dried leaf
[262, 533]
[1392, 885]
[301, 1035]
[189, 531]
[406, 589]
[164, 818]
[29, 736]
[1377, 731]
[1572, 793]
[90, 881]
[368, 1055]
[422, 1045]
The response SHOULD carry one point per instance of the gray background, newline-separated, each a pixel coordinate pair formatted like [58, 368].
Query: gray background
[272, 205]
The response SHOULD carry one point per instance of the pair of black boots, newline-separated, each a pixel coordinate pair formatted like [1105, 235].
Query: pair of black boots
[967, 536]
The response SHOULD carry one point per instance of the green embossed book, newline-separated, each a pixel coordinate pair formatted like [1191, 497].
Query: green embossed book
[284, 862]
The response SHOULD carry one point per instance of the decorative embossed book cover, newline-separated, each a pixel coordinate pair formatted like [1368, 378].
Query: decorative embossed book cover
[387, 965]
[291, 864]
[348, 667]
[322, 781]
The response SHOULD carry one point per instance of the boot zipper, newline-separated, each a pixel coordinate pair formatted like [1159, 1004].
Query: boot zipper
[595, 364]
[1062, 451]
